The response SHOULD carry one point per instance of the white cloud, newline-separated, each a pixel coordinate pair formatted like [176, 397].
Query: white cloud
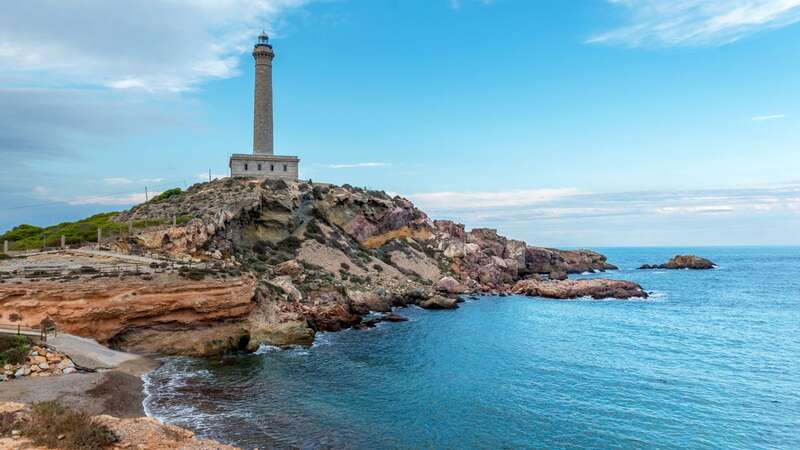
[698, 22]
[700, 209]
[472, 200]
[356, 165]
[568, 204]
[203, 176]
[116, 200]
[169, 45]
[117, 181]
[768, 117]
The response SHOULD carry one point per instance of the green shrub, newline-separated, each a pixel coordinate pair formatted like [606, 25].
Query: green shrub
[166, 195]
[14, 349]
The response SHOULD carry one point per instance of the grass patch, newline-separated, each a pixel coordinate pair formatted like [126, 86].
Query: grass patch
[54, 425]
[14, 349]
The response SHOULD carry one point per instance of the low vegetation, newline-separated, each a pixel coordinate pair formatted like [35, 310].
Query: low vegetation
[53, 425]
[14, 349]
[28, 237]
[166, 195]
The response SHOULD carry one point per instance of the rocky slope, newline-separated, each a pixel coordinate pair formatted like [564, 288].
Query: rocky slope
[305, 258]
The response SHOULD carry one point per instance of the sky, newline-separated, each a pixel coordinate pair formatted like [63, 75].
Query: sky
[581, 123]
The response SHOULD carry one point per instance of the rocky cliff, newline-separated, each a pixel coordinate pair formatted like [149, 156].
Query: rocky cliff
[308, 258]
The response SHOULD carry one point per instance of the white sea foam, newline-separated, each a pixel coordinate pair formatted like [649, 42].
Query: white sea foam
[264, 348]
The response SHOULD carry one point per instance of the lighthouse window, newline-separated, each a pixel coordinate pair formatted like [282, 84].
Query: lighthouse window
[272, 167]
[259, 167]
[245, 166]
[284, 167]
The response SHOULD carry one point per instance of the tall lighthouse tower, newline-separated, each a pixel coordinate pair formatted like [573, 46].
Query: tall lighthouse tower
[262, 117]
[263, 163]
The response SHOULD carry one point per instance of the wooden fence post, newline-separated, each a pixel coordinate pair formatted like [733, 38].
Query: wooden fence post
[99, 235]
[174, 220]
[63, 242]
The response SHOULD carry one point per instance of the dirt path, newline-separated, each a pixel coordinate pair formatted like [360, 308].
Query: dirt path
[88, 353]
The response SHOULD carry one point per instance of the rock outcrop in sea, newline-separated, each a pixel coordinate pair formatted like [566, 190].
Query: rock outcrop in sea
[682, 262]
[275, 262]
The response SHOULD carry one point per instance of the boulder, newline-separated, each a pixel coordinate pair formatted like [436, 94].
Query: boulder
[364, 302]
[371, 322]
[333, 317]
[291, 268]
[449, 285]
[410, 297]
[682, 262]
[439, 302]
[558, 275]
[285, 284]
[392, 317]
[290, 332]
[454, 250]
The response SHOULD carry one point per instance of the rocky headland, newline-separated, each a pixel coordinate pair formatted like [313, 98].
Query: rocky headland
[682, 262]
[275, 262]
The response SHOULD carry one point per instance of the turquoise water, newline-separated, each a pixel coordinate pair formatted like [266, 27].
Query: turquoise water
[712, 360]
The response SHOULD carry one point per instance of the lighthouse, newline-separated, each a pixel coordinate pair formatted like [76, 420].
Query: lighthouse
[263, 162]
[262, 112]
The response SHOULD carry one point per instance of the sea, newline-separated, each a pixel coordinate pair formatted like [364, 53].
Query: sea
[710, 360]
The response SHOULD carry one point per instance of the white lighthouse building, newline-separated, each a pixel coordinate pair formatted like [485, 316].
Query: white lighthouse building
[263, 163]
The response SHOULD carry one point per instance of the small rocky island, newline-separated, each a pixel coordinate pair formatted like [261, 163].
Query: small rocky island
[683, 262]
